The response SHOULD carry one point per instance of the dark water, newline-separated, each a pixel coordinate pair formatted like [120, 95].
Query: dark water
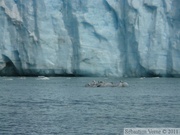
[61, 106]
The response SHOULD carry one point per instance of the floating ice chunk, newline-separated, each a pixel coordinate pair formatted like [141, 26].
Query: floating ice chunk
[42, 78]
[8, 79]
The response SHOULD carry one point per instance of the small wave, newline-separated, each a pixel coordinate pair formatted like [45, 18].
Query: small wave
[156, 77]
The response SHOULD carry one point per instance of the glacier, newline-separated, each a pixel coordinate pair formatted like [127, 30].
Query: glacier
[114, 38]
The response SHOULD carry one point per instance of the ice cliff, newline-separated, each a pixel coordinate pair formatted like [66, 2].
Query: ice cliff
[90, 37]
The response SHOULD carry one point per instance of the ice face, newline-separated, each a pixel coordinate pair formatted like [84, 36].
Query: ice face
[90, 37]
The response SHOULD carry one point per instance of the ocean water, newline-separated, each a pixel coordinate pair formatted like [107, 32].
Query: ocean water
[63, 106]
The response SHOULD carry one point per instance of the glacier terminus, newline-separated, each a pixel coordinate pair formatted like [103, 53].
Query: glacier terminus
[114, 38]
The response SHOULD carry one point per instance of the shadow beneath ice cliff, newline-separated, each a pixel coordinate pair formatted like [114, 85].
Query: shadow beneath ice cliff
[9, 69]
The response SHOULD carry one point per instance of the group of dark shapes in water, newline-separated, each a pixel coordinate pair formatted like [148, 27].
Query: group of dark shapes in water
[106, 84]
